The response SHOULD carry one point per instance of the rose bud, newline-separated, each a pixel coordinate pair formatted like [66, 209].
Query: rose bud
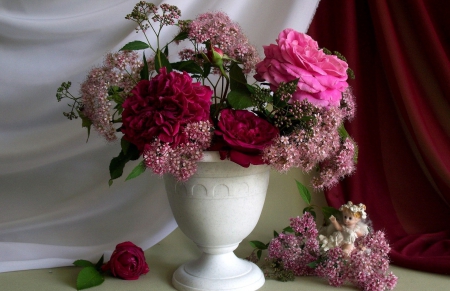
[215, 56]
[127, 262]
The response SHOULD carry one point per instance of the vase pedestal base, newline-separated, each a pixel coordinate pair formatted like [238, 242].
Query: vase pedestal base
[218, 272]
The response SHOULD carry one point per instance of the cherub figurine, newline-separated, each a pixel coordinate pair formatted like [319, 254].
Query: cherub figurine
[344, 235]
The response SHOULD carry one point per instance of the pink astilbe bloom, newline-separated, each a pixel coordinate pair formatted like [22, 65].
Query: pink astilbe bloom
[348, 104]
[305, 148]
[222, 32]
[334, 268]
[187, 54]
[368, 265]
[169, 14]
[180, 160]
[119, 69]
[337, 166]
[295, 251]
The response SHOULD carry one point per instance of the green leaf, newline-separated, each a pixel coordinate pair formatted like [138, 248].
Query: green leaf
[189, 66]
[310, 209]
[206, 69]
[144, 72]
[83, 263]
[162, 61]
[313, 264]
[116, 166]
[343, 132]
[258, 254]
[275, 234]
[85, 122]
[118, 163]
[133, 152]
[238, 82]
[89, 277]
[99, 263]
[328, 211]
[135, 45]
[239, 100]
[139, 169]
[304, 192]
[181, 36]
[125, 145]
[288, 229]
[251, 88]
[258, 245]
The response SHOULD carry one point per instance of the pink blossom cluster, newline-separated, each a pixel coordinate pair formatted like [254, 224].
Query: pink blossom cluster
[306, 147]
[297, 250]
[339, 165]
[316, 143]
[119, 69]
[169, 14]
[181, 160]
[143, 9]
[366, 267]
[222, 32]
[348, 104]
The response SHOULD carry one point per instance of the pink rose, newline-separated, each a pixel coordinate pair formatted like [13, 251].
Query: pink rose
[127, 262]
[322, 77]
[162, 106]
[245, 135]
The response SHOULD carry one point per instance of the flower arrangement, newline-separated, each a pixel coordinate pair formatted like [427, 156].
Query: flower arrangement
[168, 112]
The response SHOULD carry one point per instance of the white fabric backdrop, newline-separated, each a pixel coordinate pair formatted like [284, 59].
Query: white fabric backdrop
[55, 203]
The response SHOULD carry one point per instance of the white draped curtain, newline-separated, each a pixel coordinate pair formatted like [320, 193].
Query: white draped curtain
[55, 202]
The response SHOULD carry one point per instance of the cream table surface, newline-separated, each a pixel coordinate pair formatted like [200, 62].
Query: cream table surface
[175, 249]
[282, 202]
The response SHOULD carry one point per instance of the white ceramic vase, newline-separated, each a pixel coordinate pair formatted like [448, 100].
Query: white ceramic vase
[217, 208]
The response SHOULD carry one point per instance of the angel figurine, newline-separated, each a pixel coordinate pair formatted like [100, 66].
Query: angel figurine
[344, 235]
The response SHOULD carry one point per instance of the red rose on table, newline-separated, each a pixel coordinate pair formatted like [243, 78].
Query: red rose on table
[127, 262]
[246, 135]
[162, 106]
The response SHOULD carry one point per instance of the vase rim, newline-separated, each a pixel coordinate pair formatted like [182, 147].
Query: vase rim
[211, 156]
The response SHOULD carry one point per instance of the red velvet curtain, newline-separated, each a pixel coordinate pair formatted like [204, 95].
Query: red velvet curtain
[399, 51]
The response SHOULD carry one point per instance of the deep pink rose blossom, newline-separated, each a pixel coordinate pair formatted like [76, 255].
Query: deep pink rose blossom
[127, 262]
[246, 135]
[161, 106]
[322, 77]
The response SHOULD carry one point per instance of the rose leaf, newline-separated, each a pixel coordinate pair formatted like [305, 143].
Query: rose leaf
[238, 82]
[116, 166]
[139, 169]
[89, 277]
[188, 66]
[83, 263]
[144, 72]
[125, 145]
[99, 264]
[239, 100]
